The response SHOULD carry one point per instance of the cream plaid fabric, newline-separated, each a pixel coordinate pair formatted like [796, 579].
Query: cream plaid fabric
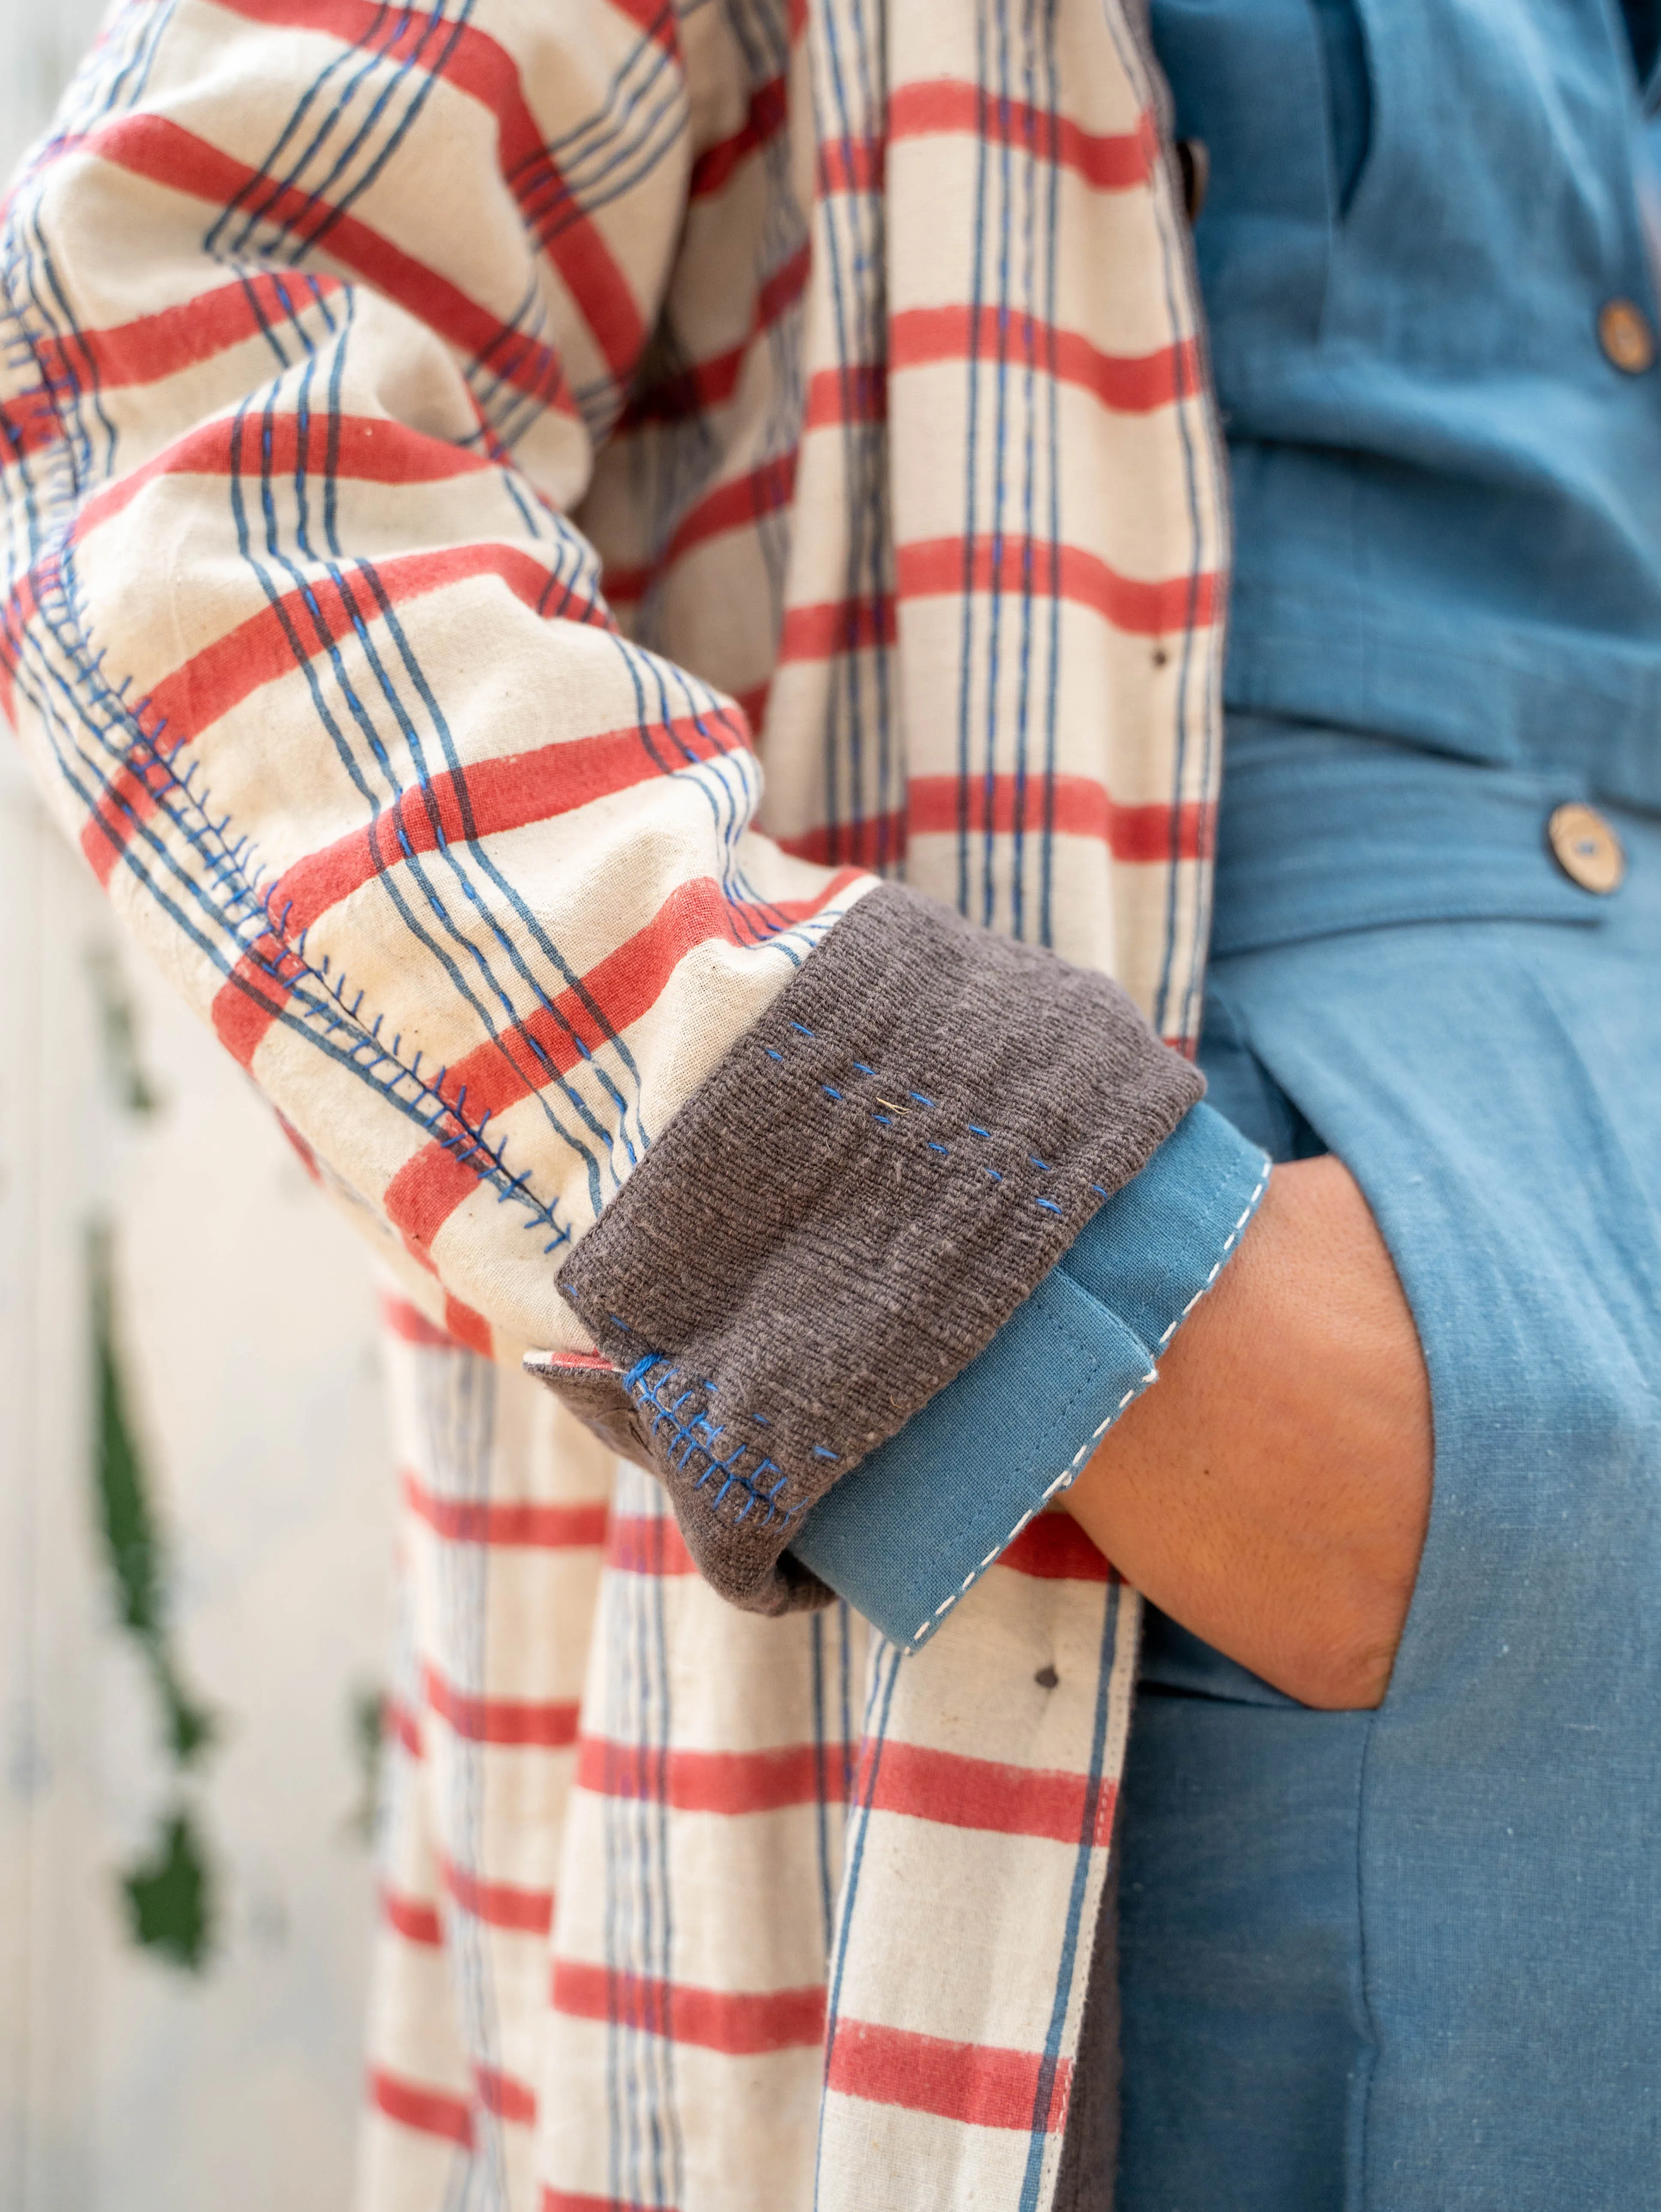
[450, 453]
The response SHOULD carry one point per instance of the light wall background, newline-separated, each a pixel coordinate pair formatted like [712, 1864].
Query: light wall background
[242, 1323]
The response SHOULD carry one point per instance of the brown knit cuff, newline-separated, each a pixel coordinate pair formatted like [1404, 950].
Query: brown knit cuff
[850, 1207]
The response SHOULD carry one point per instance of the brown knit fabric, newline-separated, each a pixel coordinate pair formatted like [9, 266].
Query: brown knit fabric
[848, 1210]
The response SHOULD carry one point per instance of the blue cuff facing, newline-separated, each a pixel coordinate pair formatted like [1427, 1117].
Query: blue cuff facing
[908, 1531]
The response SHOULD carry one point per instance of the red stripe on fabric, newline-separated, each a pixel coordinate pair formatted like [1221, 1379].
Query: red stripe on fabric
[617, 992]
[1113, 161]
[270, 644]
[514, 1723]
[27, 422]
[1131, 384]
[487, 799]
[703, 384]
[508, 2099]
[302, 1151]
[871, 840]
[324, 611]
[402, 1726]
[737, 504]
[157, 148]
[833, 626]
[626, 587]
[975, 2082]
[714, 167]
[565, 2200]
[852, 164]
[648, 1544]
[363, 448]
[20, 609]
[742, 2023]
[729, 1782]
[500, 1904]
[955, 1791]
[1070, 805]
[761, 491]
[473, 63]
[522, 1526]
[175, 338]
[752, 703]
[416, 1922]
[657, 18]
[1029, 566]
[1066, 805]
[856, 393]
[469, 1329]
[1053, 1548]
[409, 1322]
[428, 2111]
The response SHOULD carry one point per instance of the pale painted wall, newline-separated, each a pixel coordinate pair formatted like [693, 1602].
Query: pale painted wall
[244, 1317]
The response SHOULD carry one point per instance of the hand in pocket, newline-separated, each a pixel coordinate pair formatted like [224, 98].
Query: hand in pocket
[1271, 1491]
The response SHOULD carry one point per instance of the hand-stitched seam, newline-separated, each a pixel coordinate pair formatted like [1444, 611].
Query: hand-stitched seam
[1070, 1473]
[1233, 1237]
[682, 1431]
[889, 1113]
[230, 885]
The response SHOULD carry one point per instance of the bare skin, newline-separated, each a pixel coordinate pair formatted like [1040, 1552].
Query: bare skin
[1271, 1491]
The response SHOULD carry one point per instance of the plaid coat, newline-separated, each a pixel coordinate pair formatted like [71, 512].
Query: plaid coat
[450, 452]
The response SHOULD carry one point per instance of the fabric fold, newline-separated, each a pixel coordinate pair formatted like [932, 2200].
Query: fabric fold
[877, 1175]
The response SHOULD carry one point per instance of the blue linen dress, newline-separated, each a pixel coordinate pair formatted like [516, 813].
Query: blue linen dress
[1410, 1961]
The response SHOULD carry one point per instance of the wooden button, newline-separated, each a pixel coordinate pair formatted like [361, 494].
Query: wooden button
[1624, 333]
[1585, 848]
[1194, 159]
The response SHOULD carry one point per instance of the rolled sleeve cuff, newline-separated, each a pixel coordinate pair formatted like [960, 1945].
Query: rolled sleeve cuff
[904, 1534]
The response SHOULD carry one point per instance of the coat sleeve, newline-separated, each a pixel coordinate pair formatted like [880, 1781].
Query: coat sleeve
[317, 313]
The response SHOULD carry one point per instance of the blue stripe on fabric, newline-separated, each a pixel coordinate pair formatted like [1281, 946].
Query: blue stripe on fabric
[220, 889]
[1136, 64]
[353, 61]
[847, 708]
[1052, 400]
[821, 1778]
[1068, 1965]
[994, 611]
[885, 1671]
[872, 447]
[494, 876]
[332, 657]
[414, 69]
[401, 793]
[971, 459]
[671, 2188]
[1029, 459]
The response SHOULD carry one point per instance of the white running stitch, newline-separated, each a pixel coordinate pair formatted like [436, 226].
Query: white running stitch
[1069, 1473]
[1251, 1208]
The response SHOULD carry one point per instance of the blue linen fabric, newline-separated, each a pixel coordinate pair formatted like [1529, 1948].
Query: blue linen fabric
[905, 1533]
[1447, 496]
[1410, 1960]
[1448, 526]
